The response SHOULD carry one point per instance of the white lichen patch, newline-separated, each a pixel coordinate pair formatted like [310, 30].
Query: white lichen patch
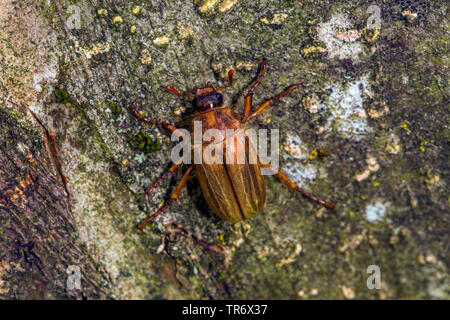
[340, 38]
[301, 174]
[376, 211]
[48, 75]
[346, 106]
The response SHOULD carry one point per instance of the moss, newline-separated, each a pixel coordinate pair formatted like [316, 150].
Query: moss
[61, 95]
[115, 108]
[143, 142]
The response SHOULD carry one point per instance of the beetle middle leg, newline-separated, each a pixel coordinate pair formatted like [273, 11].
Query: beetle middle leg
[169, 126]
[294, 186]
[249, 97]
[173, 197]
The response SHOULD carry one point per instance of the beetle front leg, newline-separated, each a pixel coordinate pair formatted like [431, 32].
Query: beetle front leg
[173, 197]
[294, 186]
[273, 100]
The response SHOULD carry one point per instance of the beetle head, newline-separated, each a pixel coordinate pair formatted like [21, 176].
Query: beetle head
[207, 98]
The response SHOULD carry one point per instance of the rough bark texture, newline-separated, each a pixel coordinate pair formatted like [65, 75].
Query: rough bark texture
[369, 131]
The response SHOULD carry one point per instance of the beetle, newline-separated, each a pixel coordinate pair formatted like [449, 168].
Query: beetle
[234, 192]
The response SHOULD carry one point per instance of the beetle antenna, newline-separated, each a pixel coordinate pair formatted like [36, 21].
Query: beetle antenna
[230, 81]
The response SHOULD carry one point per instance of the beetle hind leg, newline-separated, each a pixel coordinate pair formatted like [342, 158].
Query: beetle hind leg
[292, 185]
[173, 197]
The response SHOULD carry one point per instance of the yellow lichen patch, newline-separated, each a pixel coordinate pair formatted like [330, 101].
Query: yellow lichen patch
[375, 114]
[184, 32]
[133, 29]
[353, 242]
[291, 258]
[393, 144]
[145, 57]
[136, 10]
[311, 103]
[433, 180]
[351, 213]
[409, 15]
[17, 195]
[30, 158]
[244, 65]
[179, 110]
[313, 154]
[349, 35]
[161, 41]
[312, 50]
[348, 293]
[97, 49]
[102, 12]
[227, 5]
[117, 20]
[221, 239]
[277, 19]
[422, 145]
[221, 69]
[372, 34]
[263, 253]
[372, 166]
[208, 5]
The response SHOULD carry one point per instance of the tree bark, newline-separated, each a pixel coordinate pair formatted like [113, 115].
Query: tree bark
[368, 132]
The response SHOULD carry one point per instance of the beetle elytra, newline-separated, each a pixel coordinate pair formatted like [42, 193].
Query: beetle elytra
[234, 192]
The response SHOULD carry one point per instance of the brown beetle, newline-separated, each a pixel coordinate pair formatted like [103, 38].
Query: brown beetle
[235, 191]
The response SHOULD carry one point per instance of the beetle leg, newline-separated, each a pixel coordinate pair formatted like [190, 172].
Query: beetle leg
[175, 91]
[249, 96]
[230, 81]
[173, 197]
[273, 100]
[161, 178]
[294, 186]
[177, 230]
[167, 125]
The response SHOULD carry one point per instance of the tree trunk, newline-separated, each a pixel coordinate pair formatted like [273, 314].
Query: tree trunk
[368, 132]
